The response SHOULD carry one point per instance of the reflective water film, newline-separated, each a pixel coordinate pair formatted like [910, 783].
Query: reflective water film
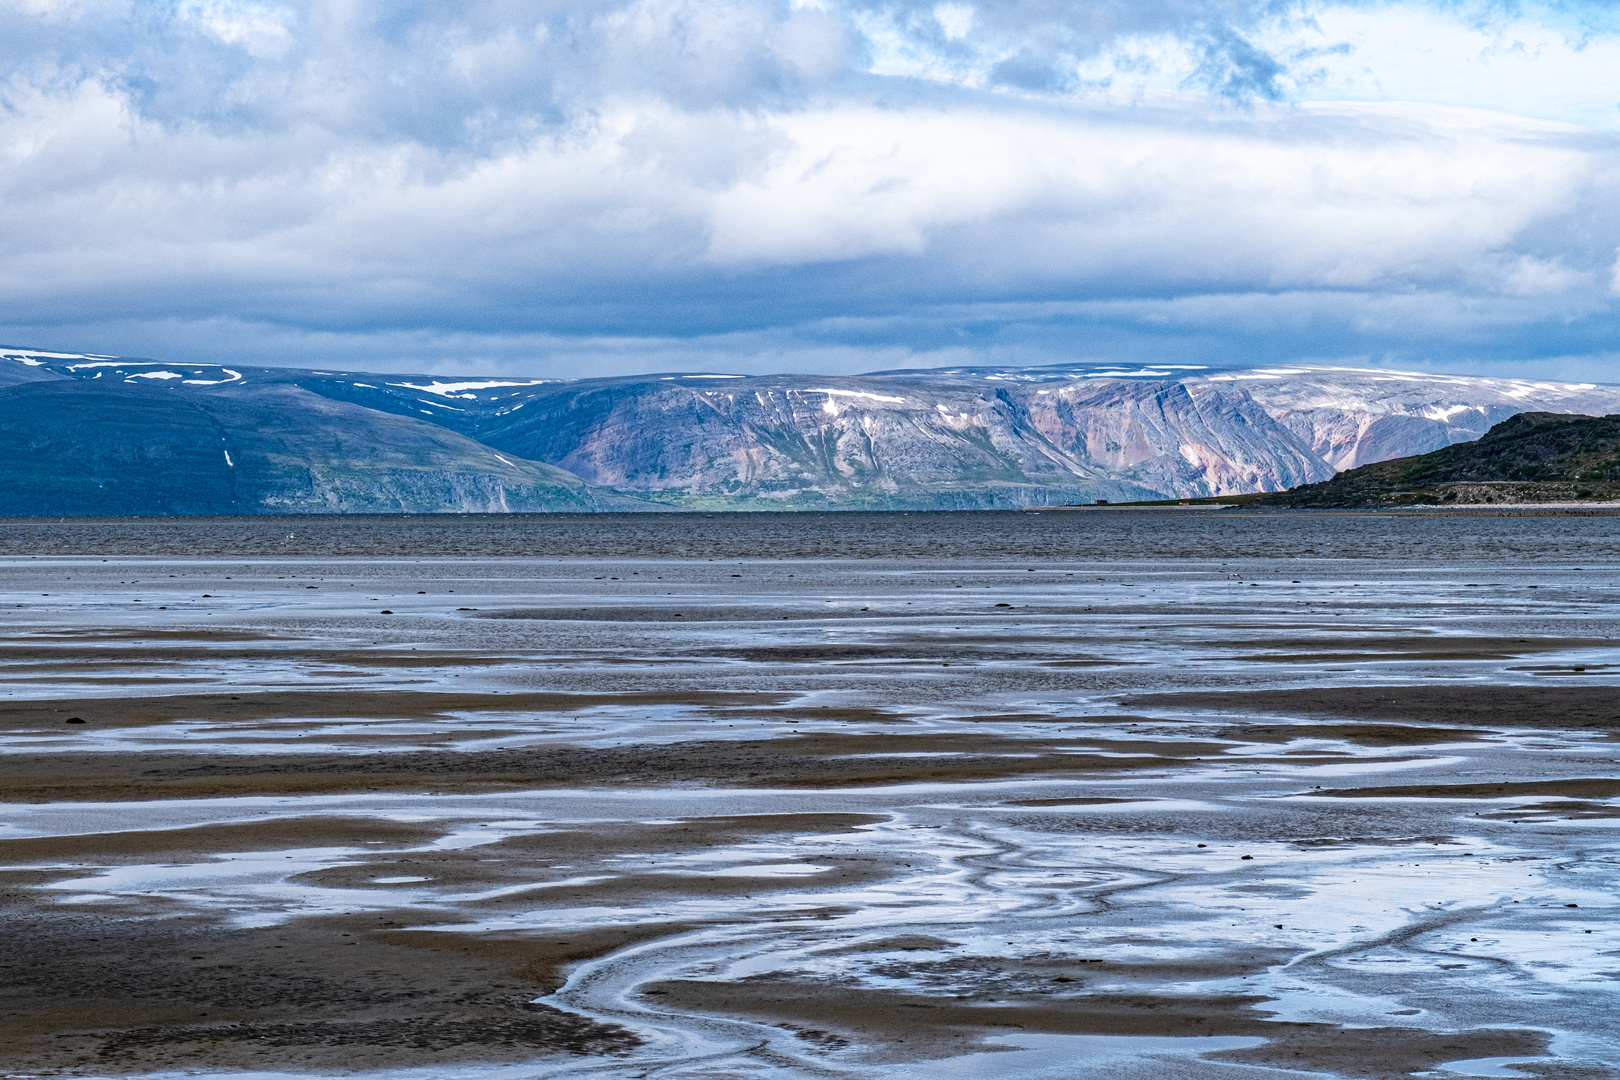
[1121, 794]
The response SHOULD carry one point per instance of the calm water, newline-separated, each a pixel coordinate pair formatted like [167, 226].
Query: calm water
[1082, 535]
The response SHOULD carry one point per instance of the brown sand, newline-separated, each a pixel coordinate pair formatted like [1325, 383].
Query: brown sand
[919, 1025]
[110, 993]
[1605, 788]
[156, 845]
[812, 759]
[125, 989]
[1359, 734]
[1573, 708]
[251, 709]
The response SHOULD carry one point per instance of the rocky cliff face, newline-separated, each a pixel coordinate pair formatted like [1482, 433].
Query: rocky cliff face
[1355, 416]
[968, 437]
[912, 439]
[905, 441]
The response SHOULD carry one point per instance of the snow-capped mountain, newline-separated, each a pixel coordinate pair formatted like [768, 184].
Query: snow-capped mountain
[962, 437]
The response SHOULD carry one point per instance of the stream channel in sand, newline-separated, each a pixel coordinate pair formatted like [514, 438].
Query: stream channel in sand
[1121, 795]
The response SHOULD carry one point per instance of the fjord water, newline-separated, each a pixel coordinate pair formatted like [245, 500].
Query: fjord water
[1074, 793]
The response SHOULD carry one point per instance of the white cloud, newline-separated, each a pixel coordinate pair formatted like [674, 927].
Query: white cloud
[955, 20]
[1341, 198]
[1532, 60]
[263, 30]
[1530, 276]
[791, 181]
[1553, 61]
[1171, 197]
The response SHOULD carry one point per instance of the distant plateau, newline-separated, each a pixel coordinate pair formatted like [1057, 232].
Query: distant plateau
[89, 434]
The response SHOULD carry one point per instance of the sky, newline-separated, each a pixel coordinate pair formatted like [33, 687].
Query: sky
[598, 187]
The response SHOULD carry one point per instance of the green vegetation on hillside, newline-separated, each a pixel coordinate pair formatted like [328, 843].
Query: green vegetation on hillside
[1531, 457]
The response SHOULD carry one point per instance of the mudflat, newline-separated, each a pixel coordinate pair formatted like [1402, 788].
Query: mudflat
[1554, 707]
[1097, 795]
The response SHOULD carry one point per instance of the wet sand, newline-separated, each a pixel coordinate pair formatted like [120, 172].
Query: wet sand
[1559, 708]
[1121, 795]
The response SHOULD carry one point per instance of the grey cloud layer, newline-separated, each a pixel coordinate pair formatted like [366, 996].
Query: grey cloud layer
[611, 185]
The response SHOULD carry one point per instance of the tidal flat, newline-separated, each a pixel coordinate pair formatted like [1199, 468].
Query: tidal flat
[1027, 795]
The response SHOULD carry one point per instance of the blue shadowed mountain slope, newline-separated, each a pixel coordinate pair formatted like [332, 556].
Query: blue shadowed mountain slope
[72, 448]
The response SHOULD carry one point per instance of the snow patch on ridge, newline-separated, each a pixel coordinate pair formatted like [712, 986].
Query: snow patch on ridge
[1156, 371]
[452, 389]
[230, 376]
[853, 393]
[235, 376]
[37, 358]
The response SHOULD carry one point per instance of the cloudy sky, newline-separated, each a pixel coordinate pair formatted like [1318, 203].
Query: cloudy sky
[591, 187]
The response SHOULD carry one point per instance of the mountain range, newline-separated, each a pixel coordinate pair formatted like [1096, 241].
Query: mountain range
[84, 433]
